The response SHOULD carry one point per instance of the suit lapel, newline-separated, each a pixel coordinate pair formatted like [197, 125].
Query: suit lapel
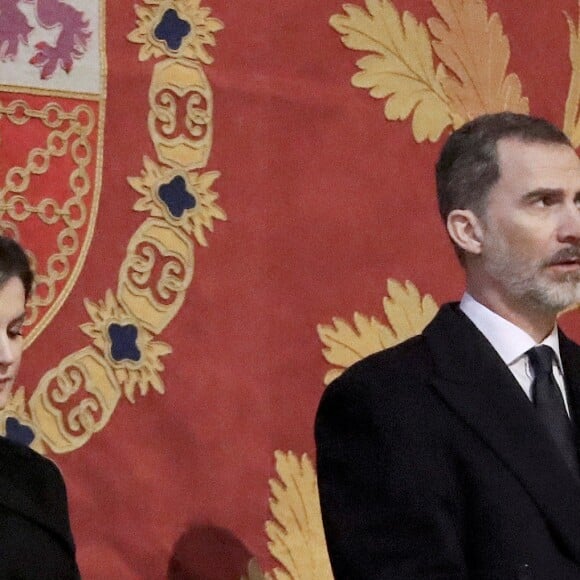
[570, 354]
[478, 386]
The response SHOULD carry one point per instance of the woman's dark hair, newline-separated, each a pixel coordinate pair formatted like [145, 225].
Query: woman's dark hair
[14, 262]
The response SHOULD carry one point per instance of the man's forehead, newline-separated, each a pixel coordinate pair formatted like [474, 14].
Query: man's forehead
[537, 157]
[525, 144]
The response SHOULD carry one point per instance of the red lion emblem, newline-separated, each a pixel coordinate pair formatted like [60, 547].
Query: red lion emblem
[16, 27]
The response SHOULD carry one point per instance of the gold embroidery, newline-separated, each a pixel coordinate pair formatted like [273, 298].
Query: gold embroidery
[572, 111]
[296, 533]
[77, 399]
[407, 313]
[195, 219]
[156, 273]
[400, 68]
[475, 53]
[70, 132]
[174, 81]
[137, 364]
[201, 25]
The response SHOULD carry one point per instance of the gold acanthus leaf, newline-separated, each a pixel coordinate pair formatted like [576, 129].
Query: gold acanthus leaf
[407, 314]
[296, 534]
[572, 111]
[476, 53]
[401, 68]
[346, 345]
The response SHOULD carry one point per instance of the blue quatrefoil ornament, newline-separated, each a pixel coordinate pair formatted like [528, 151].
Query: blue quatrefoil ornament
[18, 433]
[176, 197]
[124, 342]
[172, 29]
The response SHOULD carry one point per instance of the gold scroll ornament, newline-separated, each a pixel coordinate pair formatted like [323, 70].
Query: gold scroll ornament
[156, 300]
[186, 82]
[85, 372]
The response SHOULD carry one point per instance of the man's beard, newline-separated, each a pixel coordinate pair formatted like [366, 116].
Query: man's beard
[530, 282]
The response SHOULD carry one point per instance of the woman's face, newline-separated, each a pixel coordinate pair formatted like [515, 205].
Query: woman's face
[12, 312]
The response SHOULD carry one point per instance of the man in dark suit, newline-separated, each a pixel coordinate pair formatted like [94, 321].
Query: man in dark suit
[455, 454]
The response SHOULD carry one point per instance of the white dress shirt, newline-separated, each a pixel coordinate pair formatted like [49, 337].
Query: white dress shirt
[512, 344]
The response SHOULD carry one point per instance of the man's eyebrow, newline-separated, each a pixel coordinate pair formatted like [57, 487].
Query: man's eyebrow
[544, 191]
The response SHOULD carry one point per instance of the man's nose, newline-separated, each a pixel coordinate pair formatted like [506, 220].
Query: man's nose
[6, 350]
[569, 230]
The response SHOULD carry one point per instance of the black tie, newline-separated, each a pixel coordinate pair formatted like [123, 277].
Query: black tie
[549, 404]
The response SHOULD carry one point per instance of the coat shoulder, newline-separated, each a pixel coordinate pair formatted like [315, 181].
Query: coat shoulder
[409, 362]
[392, 380]
[27, 468]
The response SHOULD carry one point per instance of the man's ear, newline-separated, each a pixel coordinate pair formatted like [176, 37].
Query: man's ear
[465, 230]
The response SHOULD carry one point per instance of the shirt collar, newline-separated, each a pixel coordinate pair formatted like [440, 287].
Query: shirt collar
[509, 340]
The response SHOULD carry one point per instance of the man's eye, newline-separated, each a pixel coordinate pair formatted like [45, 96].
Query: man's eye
[546, 201]
[15, 332]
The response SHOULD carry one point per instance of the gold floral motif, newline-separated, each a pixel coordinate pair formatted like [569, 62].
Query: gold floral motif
[75, 400]
[202, 29]
[347, 345]
[155, 274]
[296, 533]
[182, 141]
[407, 314]
[476, 54]
[400, 67]
[469, 80]
[572, 111]
[193, 221]
[143, 370]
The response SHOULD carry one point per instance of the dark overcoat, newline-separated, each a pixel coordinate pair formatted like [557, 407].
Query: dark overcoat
[432, 464]
[35, 536]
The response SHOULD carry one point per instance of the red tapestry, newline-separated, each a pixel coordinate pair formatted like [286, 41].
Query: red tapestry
[226, 204]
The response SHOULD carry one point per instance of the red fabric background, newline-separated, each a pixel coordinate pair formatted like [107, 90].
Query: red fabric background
[325, 201]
